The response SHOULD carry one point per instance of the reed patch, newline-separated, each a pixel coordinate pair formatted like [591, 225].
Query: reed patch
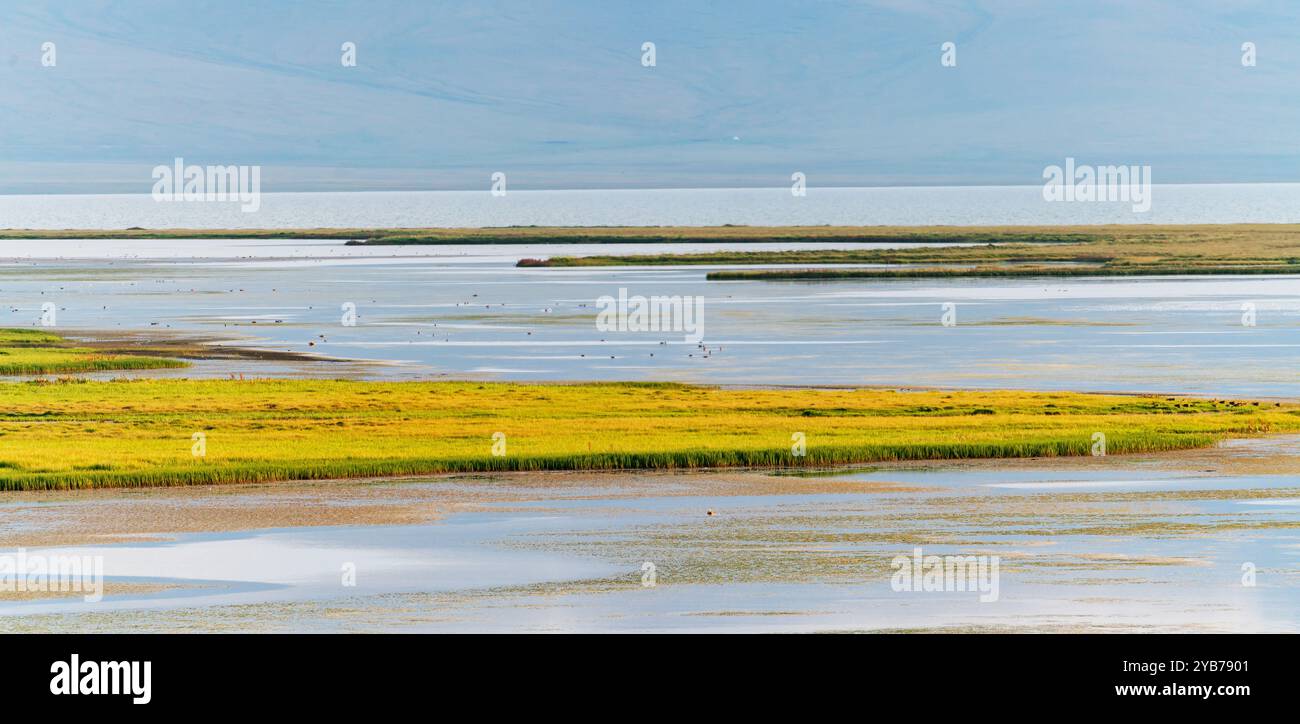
[130, 433]
[36, 352]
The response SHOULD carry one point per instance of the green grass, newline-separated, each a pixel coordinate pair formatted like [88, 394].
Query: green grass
[37, 352]
[82, 434]
[1007, 251]
[994, 272]
[1013, 252]
[575, 234]
[708, 234]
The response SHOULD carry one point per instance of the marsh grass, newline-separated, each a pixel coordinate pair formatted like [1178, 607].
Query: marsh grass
[1137, 250]
[36, 352]
[575, 234]
[77, 434]
[1104, 270]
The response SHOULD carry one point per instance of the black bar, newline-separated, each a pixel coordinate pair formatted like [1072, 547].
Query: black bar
[214, 673]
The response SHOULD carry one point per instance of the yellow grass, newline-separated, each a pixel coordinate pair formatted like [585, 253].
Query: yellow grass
[131, 433]
[1102, 250]
[37, 352]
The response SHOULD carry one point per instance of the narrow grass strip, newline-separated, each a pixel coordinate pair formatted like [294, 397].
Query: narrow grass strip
[138, 433]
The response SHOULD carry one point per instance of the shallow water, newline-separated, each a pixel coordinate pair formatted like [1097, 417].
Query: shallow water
[1125, 547]
[902, 206]
[468, 312]
[1109, 559]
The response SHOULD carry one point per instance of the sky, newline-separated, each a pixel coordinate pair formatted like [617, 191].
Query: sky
[554, 93]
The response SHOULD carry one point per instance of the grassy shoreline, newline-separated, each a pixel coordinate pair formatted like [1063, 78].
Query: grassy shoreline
[1018, 252]
[134, 433]
[37, 352]
[589, 234]
[777, 275]
[715, 234]
[1006, 251]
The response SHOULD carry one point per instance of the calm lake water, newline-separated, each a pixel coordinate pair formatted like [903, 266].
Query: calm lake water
[909, 206]
[1124, 547]
[468, 312]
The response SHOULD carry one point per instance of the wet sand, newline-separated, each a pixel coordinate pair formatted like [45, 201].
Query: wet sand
[99, 516]
[1117, 543]
[82, 517]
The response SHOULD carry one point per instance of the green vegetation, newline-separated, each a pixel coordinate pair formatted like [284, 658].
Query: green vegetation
[1005, 251]
[35, 352]
[579, 234]
[711, 234]
[1015, 251]
[988, 271]
[77, 434]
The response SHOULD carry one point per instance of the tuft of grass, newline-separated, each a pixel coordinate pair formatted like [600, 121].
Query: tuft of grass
[132, 433]
[37, 352]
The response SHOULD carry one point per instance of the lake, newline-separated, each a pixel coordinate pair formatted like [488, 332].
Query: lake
[468, 312]
[903, 206]
[1089, 544]
[1133, 545]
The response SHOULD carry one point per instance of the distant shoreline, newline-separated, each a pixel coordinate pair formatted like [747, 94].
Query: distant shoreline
[1114, 251]
[805, 275]
[397, 236]
[892, 252]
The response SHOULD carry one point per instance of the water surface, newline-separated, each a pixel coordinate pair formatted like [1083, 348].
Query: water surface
[903, 206]
[468, 312]
[1080, 549]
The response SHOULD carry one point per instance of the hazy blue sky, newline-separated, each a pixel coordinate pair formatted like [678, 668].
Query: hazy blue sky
[851, 92]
